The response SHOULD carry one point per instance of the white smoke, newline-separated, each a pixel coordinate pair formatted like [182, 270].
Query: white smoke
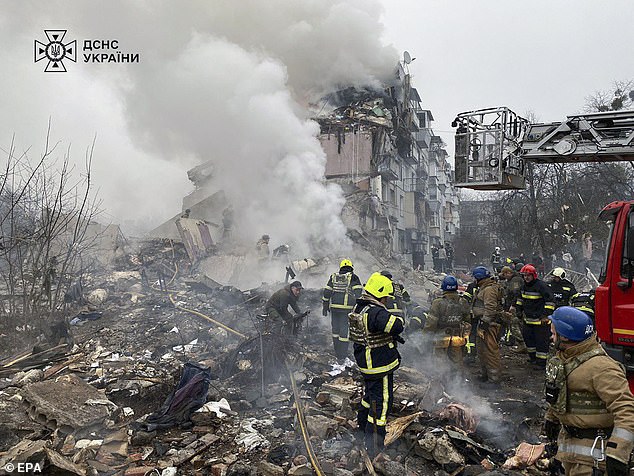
[220, 81]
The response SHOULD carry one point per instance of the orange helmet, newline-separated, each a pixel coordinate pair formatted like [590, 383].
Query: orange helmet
[529, 269]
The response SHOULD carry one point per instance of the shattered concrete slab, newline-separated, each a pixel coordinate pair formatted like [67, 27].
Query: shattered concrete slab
[67, 404]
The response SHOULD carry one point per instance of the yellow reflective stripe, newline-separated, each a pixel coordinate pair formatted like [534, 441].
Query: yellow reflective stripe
[344, 339]
[626, 332]
[329, 288]
[382, 421]
[335, 335]
[541, 355]
[519, 302]
[587, 309]
[365, 404]
[390, 323]
[378, 370]
[531, 295]
[357, 286]
[549, 306]
[565, 288]
[325, 299]
[340, 306]
[416, 318]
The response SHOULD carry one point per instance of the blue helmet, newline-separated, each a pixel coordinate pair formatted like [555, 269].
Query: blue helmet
[449, 284]
[480, 272]
[572, 323]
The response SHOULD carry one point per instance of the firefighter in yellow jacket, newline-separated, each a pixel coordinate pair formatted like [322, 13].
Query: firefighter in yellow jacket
[339, 297]
[375, 333]
[448, 321]
[591, 411]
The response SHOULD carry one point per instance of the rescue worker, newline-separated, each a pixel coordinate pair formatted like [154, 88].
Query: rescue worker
[468, 294]
[487, 306]
[417, 316]
[591, 412]
[447, 322]
[276, 308]
[584, 301]
[512, 284]
[396, 303]
[533, 307]
[561, 288]
[339, 297]
[375, 332]
[262, 247]
[496, 260]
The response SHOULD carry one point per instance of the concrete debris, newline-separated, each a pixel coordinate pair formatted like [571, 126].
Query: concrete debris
[81, 408]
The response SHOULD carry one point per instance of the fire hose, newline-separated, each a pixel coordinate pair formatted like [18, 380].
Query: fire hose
[302, 424]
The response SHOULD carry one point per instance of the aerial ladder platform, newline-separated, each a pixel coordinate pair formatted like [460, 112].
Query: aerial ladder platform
[493, 145]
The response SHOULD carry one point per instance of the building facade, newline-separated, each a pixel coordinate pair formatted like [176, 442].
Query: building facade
[382, 150]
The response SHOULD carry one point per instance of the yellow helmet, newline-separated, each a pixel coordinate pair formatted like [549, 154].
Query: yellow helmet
[379, 286]
[345, 262]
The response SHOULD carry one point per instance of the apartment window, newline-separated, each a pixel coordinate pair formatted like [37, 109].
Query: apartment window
[402, 205]
[393, 197]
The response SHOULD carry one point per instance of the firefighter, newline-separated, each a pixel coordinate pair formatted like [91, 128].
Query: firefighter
[512, 332]
[396, 304]
[276, 308]
[468, 294]
[591, 408]
[496, 260]
[339, 296]
[533, 307]
[447, 320]
[417, 316]
[262, 247]
[561, 288]
[585, 302]
[375, 333]
[487, 306]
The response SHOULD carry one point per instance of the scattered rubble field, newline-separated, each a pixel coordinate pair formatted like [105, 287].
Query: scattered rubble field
[165, 373]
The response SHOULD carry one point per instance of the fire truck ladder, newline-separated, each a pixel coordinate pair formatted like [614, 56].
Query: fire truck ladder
[492, 145]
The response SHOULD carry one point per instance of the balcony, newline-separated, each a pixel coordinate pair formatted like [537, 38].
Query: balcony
[387, 169]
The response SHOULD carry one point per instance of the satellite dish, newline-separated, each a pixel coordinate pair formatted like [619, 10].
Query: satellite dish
[407, 58]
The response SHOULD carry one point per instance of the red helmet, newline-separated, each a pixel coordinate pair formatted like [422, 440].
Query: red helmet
[529, 269]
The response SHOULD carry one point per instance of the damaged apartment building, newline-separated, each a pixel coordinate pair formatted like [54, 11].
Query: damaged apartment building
[381, 149]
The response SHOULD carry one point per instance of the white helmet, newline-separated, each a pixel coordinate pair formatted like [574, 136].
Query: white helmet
[559, 272]
[497, 248]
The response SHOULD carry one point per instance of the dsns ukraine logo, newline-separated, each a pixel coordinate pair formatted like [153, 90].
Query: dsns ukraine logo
[56, 51]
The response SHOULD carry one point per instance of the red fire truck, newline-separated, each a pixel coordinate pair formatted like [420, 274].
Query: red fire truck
[492, 147]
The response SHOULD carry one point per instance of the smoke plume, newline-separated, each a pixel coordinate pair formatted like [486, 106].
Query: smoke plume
[226, 82]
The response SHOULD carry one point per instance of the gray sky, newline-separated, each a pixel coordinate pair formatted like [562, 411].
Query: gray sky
[539, 55]
[230, 81]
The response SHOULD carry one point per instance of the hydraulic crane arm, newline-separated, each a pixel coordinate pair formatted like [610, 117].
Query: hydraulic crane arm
[492, 145]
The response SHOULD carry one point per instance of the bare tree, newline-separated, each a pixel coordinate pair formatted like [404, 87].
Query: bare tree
[45, 211]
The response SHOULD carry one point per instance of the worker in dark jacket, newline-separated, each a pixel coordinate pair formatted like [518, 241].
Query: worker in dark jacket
[584, 301]
[375, 333]
[339, 297]
[277, 311]
[512, 331]
[533, 307]
[591, 412]
[562, 289]
[397, 304]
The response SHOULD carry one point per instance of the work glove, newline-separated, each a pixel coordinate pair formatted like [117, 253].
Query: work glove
[614, 467]
[324, 312]
[551, 430]
[399, 339]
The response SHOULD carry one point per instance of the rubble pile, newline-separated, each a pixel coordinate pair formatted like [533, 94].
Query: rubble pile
[168, 374]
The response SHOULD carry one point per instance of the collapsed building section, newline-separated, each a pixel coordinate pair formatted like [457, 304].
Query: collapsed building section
[382, 150]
